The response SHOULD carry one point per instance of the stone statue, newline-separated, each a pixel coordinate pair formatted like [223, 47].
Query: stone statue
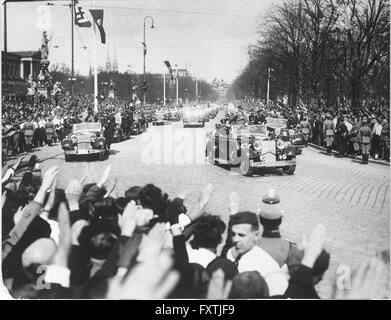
[45, 46]
[112, 85]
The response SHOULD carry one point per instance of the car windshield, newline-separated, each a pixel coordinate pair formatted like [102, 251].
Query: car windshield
[276, 123]
[258, 129]
[82, 127]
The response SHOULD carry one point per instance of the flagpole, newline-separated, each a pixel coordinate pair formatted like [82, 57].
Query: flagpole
[95, 68]
[164, 88]
[72, 55]
[268, 86]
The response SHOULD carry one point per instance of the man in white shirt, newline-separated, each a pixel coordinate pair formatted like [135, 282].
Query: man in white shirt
[249, 257]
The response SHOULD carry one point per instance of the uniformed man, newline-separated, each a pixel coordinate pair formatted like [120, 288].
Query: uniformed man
[240, 118]
[28, 129]
[49, 131]
[270, 216]
[328, 132]
[109, 131]
[364, 137]
[306, 129]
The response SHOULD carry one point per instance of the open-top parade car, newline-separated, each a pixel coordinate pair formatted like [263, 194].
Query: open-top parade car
[160, 119]
[193, 118]
[86, 139]
[250, 147]
[279, 130]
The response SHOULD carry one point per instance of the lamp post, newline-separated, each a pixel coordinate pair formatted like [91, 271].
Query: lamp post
[145, 53]
[177, 86]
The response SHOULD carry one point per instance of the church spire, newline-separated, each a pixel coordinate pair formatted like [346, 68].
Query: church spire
[108, 61]
[115, 63]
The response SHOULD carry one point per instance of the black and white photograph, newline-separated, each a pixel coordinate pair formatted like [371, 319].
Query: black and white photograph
[208, 150]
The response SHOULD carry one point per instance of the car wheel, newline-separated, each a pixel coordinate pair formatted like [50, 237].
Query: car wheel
[245, 168]
[289, 170]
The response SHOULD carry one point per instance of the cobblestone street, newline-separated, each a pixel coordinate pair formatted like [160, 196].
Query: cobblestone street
[352, 200]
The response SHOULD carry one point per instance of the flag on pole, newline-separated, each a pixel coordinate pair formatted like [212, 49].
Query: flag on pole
[145, 48]
[97, 16]
[168, 65]
[81, 18]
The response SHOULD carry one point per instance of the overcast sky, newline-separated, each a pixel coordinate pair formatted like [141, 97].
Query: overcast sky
[210, 35]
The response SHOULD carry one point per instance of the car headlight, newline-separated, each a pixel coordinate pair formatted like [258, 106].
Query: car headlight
[93, 138]
[257, 146]
[74, 139]
[281, 145]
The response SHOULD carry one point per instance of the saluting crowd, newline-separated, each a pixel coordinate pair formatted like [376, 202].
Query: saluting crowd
[84, 243]
[29, 123]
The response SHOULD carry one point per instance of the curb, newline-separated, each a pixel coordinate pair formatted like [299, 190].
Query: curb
[384, 163]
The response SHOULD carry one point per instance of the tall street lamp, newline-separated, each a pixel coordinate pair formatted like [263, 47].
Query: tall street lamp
[145, 53]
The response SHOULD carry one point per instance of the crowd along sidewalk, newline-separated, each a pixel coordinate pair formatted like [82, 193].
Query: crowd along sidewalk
[382, 162]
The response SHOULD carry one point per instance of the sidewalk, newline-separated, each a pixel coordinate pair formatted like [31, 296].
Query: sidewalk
[382, 162]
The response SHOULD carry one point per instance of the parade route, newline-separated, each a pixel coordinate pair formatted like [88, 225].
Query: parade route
[351, 200]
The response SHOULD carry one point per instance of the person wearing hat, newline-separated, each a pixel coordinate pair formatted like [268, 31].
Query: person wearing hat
[364, 137]
[239, 118]
[328, 132]
[270, 217]
[306, 129]
[249, 257]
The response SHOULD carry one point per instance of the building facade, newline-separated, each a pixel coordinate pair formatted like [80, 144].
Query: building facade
[21, 68]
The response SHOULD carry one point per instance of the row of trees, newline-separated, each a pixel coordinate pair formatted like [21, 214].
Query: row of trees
[335, 51]
[125, 82]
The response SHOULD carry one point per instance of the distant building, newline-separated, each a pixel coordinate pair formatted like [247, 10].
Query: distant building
[182, 73]
[22, 66]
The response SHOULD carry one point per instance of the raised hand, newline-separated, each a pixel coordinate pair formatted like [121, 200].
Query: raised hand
[157, 280]
[72, 193]
[65, 240]
[313, 246]
[50, 202]
[152, 245]
[111, 185]
[205, 196]
[234, 203]
[49, 177]
[218, 288]
[18, 214]
[128, 219]
[104, 177]
[369, 281]
[17, 164]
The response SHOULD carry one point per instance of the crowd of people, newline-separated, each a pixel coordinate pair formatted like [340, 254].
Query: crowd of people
[82, 242]
[365, 132]
[26, 123]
